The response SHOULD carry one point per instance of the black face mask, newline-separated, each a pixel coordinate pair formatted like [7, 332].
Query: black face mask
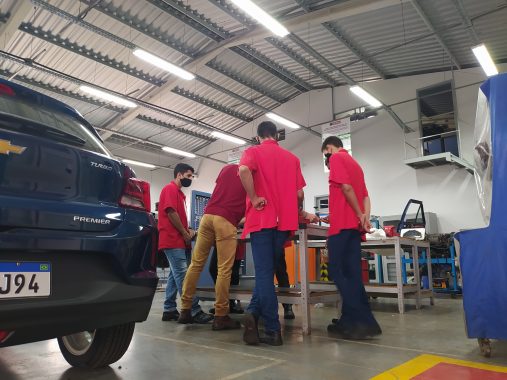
[328, 156]
[185, 182]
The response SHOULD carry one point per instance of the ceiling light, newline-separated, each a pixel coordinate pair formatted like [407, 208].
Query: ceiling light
[282, 120]
[363, 94]
[261, 16]
[178, 152]
[223, 136]
[482, 55]
[163, 64]
[137, 163]
[107, 96]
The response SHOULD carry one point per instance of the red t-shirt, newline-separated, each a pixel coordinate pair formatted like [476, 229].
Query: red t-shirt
[344, 170]
[168, 236]
[277, 177]
[228, 198]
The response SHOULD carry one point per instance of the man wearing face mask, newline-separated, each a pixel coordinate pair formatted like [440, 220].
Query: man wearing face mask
[174, 239]
[349, 214]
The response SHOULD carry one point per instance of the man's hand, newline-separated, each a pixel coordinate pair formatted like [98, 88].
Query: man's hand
[311, 218]
[189, 235]
[364, 220]
[325, 219]
[258, 202]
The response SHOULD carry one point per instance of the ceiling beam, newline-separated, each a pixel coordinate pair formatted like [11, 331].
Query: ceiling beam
[236, 14]
[340, 10]
[88, 53]
[259, 59]
[125, 17]
[212, 104]
[422, 14]
[354, 48]
[192, 18]
[284, 48]
[467, 22]
[245, 81]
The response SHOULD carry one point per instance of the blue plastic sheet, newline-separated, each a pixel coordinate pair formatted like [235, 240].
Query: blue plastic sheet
[484, 251]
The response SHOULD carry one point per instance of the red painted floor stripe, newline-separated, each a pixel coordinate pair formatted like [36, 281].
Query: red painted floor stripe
[446, 371]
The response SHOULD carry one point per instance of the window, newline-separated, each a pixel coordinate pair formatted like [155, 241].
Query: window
[437, 119]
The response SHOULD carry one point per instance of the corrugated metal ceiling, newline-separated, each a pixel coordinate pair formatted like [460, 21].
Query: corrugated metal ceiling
[384, 35]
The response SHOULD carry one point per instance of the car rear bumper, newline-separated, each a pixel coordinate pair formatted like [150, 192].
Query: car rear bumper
[88, 291]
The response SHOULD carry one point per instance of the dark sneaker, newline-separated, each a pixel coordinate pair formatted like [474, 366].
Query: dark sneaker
[225, 323]
[251, 333]
[273, 338]
[235, 307]
[170, 315]
[202, 318]
[359, 333]
[185, 317]
[287, 312]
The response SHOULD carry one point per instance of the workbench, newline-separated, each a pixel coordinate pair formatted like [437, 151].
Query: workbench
[304, 294]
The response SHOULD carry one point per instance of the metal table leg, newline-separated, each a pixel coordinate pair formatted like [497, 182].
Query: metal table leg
[305, 288]
[399, 280]
[417, 275]
[430, 275]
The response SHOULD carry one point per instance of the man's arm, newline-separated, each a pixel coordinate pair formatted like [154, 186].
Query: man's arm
[367, 213]
[176, 222]
[247, 181]
[350, 196]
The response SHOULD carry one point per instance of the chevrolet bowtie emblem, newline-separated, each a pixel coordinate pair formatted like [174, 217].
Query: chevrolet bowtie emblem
[7, 148]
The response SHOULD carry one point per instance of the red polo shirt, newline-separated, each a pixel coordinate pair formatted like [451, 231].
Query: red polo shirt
[168, 236]
[344, 170]
[228, 198]
[277, 177]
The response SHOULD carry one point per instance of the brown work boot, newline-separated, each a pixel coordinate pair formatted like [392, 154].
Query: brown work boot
[185, 317]
[251, 333]
[225, 323]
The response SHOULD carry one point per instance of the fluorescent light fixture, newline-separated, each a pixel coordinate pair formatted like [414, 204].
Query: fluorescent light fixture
[482, 55]
[163, 64]
[261, 16]
[107, 96]
[368, 98]
[282, 120]
[137, 163]
[178, 152]
[223, 136]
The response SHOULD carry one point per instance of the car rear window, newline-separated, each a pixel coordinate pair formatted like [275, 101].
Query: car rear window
[25, 112]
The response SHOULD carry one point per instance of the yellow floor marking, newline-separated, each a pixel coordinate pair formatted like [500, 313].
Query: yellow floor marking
[422, 363]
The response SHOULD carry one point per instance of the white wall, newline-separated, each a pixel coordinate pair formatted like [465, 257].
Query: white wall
[378, 145]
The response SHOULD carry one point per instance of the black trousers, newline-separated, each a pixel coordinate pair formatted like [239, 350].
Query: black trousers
[345, 267]
[213, 268]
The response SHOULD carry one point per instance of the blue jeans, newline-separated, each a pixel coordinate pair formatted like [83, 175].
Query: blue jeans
[267, 247]
[178, 264]
[344, 251]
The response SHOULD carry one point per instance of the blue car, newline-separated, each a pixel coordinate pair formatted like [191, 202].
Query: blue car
[77, 239]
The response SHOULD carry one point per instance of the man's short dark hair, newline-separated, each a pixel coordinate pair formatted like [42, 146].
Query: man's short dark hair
[332, 140]
[182, 168]
[266, 129]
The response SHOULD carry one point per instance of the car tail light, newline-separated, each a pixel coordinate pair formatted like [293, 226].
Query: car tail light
[136, 194]
[4, 335]
[6, 90]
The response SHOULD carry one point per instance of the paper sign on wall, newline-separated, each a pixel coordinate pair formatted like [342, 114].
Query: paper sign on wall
[341, 129]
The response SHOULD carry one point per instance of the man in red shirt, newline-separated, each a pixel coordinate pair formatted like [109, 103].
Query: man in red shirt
[349, 214]
[174, 239]
[274, 184]
[218, 226]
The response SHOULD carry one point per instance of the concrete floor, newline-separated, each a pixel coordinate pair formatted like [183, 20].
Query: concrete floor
[166, 350]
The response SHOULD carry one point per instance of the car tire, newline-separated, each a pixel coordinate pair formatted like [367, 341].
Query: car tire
[99, 348]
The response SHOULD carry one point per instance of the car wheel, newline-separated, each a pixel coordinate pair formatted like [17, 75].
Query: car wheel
[98, 348]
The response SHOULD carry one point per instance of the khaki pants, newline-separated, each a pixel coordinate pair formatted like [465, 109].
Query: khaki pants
[213, 229]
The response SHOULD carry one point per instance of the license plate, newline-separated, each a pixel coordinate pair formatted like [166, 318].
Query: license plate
[24, 280]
